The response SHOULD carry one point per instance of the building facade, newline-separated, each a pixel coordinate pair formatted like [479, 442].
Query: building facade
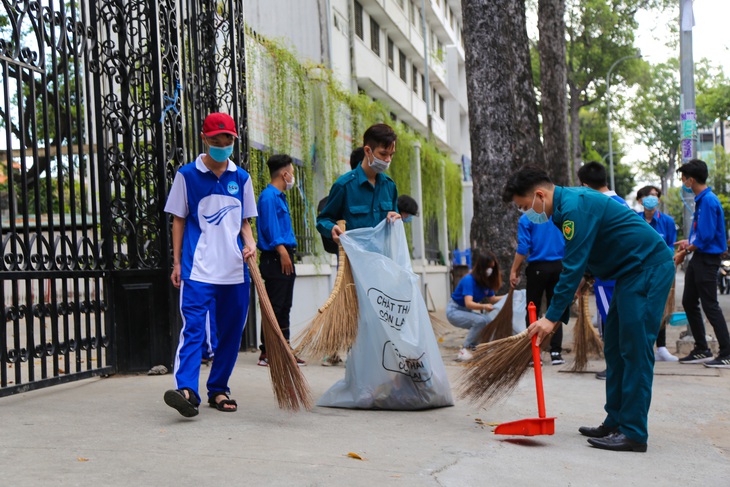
[409, 55]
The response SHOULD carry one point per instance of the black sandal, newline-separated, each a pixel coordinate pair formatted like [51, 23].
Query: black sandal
[187, 406]
[221, 405]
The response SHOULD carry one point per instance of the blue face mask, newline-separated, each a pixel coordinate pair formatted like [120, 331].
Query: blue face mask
[534, 216]
[650, 202]
[408, 219]
[686, 189]
[220, 154]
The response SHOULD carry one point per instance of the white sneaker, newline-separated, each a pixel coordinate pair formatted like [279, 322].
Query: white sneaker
[464, 355]
[663, 355]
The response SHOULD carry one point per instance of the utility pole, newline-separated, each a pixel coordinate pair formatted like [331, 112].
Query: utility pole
[688, 115]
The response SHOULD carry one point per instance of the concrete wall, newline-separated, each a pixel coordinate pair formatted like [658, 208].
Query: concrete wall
[284, 20]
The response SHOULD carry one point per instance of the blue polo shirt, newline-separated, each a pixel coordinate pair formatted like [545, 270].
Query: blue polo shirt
[664, 226]
[361, 204]
[469, 287]
[708, 224]
[602, 235]
[214, 208]
[274, 222]
[539, 242]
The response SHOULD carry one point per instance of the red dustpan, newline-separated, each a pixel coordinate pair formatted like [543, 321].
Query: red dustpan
[531, 426]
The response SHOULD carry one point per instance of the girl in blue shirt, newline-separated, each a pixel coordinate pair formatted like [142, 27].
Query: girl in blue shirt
[465, 309]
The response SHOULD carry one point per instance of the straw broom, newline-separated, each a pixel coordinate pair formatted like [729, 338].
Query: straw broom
[334, 328]
[501, 326]
[670, 305]
[496, 368]
[290, 386]
[585, 337]
[439, 326]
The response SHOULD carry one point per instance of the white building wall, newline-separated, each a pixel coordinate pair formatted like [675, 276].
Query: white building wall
[286, 19]
[357, 67]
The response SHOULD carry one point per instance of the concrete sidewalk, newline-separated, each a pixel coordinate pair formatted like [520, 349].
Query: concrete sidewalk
[118, 431]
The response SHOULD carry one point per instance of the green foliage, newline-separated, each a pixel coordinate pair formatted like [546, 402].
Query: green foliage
[713, 93]
[719, 178]
[598, 33]
[454, 189]
[594, 143]
[673, 206]
[299, 94]
[654, 117]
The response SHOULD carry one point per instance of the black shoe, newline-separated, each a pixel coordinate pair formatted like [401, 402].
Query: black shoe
[719, 363]
[697, 357]
[556, 358]
[617, 442]
[601, 375]
[599, 432]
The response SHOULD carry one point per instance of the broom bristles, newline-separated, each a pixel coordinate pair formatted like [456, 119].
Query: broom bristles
[440, 327]
[334, 328]
[670, 305]
[289, 384]
[586, 341]
[495, 369]
[501, 326]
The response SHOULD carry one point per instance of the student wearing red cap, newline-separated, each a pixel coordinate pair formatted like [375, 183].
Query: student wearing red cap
[211, 201]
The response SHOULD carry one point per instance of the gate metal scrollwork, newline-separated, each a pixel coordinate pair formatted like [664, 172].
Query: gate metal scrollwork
[100, 102]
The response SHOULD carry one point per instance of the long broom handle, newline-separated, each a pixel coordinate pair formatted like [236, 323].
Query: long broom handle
[532, 311]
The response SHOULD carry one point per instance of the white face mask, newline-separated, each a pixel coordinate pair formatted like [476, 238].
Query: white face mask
[489, 271]
[290, 184]
[378, 165]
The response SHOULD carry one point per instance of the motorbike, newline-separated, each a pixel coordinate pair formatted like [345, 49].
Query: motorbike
[723, 277]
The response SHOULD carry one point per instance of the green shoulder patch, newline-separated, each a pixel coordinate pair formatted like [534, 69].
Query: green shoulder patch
[568, 229]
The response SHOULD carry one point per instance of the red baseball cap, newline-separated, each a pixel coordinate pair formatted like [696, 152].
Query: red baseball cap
[219, 123]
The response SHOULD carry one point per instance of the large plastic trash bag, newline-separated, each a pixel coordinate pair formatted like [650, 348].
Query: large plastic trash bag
[395, 362]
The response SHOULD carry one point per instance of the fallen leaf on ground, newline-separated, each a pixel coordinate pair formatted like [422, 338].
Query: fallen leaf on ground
[82, 459]
[479, 421]
[492, 424]
[355, 456]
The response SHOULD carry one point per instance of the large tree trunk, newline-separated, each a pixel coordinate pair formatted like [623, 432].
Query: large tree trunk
[527, 148]
[575, 145]
[551, 48]
[502, 131]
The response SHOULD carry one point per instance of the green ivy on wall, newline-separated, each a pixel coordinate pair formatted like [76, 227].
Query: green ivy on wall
[297, 95]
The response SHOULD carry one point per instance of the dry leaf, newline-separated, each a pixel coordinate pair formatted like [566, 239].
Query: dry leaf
[492, 424]
[440, 340]
[355, 456]
[479, 421]
[82, 459]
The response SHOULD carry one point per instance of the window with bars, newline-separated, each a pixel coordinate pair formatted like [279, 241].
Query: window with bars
[441, 106]
[374, 36]
[414, 79]
[358, 21]
[424, 90]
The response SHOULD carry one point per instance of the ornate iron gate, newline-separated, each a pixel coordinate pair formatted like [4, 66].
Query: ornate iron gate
[100, 102]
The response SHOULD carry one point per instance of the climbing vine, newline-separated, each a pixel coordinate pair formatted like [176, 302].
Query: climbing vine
[302, 110]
